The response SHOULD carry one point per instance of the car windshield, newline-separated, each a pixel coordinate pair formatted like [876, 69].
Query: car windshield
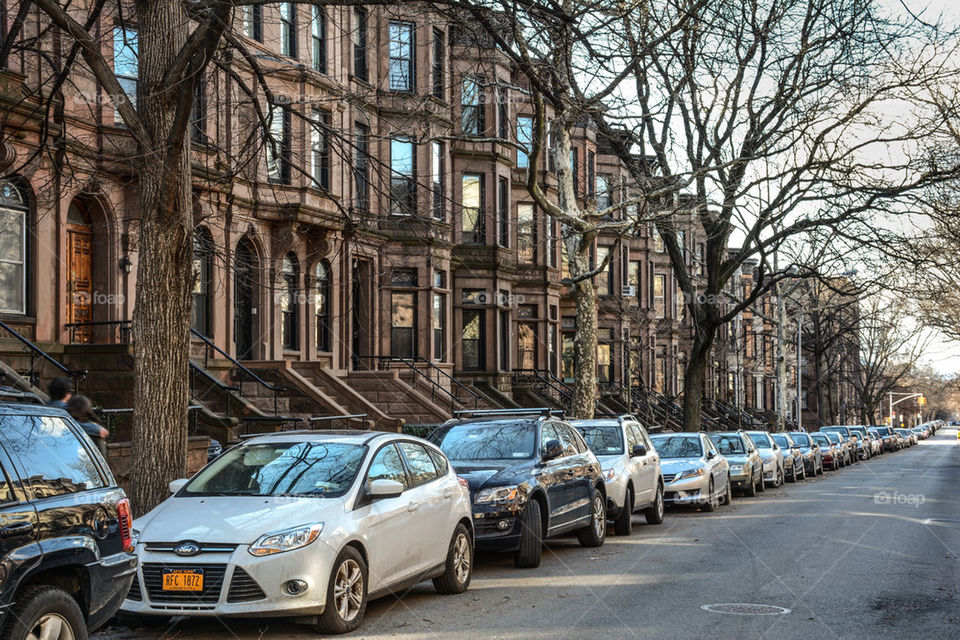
[728, 445]
[488, 441]
[822, 440]
[801, 439]
[761, 440]
[317, 469]
[603, 440]
[782, 441]
[679, 446]
[832, 437]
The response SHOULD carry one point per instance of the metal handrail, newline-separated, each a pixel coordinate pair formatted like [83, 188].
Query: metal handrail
[125, 328]
[561, 391]
[36, 351]
[435, 386]
[243, 369]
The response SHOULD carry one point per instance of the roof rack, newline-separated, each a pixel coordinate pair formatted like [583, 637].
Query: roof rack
[540, 411]
[311, 432]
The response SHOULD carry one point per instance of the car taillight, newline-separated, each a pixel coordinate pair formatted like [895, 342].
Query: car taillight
[125, 521]
[463, 482]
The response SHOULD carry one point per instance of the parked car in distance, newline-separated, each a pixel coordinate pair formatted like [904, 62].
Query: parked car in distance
[694, 472]
[531, 477]
[793, 467]
[908, 436]
[842, 448]
[810, 451]
[862, 446]
[309, 524]
[876, 443]
[829, 451]
[631, 469]
[920, 432]
[772, 456]
[66, 545]
[849, 440]
[888, 435]
[746, 465]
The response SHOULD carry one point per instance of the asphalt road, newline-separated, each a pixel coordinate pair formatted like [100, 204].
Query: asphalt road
[870, 551]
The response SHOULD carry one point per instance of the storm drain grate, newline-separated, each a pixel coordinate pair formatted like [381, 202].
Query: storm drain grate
[744, 609]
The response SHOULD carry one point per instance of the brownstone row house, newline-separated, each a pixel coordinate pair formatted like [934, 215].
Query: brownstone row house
[369, 249]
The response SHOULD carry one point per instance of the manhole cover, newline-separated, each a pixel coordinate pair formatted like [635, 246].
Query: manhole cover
[744, 609]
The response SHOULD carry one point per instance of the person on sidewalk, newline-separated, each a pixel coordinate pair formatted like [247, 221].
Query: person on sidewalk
[82, 411]
[60, 392]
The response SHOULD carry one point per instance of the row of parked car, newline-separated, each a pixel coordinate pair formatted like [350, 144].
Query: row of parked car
[313, 525]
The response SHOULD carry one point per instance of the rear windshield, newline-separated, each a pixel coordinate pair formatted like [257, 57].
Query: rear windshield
[728, 444]
[677, 446]
[821, 440]
[801, 439]
[781, 440]
[317, 469]
[761, 440]
[488, 441]
[603, 440]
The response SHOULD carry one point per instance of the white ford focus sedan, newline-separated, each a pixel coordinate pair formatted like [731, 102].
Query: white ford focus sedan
[309, 525]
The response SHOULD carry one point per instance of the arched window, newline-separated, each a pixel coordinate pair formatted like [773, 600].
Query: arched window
[289, 303]
[13, 249]
[321, 304]
[202, 280]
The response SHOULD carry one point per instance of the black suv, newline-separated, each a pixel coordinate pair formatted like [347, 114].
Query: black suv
[531, 476]
[65, 528]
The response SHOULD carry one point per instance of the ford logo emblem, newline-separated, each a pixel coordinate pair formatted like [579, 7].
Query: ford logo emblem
[187, 549]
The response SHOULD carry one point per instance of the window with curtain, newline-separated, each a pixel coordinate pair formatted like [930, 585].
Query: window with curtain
[202, 281]
[289, 301]
[321, 304]
[403, 313]
[13, 249]
[472, 216]
[659, 293]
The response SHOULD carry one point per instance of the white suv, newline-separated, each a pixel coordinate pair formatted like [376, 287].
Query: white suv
[305, 524]
[631, 469]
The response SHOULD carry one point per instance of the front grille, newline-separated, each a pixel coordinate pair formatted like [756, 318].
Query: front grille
[168, 547]
[670, 477]
[212, 583]
[134, 593]
[243, 588]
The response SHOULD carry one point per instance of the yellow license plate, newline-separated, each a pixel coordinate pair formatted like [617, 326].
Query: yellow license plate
[183, 580]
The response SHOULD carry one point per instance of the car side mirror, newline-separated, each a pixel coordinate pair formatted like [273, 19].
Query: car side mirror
[638, 450]
[711, 455]
[384, 488]
[816, 446]
[176, 485]
[552, 449]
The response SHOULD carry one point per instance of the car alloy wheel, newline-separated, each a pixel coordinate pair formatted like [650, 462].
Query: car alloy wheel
[594, 534]
[51, 626]
[348, 590]
[461, 557]
[654, 514]
[599, 519]
[779, 482]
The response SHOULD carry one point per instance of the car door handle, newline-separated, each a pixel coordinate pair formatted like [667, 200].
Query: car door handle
[16, 529]
[413, 506]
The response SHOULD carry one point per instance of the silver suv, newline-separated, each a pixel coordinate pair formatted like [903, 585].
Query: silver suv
[630, 466]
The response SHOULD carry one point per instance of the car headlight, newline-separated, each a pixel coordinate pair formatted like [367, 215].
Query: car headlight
[500, 494]
[286, 540]
[736, 468]
[134, 536]
[691, 473]
[609, 474]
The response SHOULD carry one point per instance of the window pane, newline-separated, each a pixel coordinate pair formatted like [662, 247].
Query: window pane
[402, 323]
[420, 463]
[524, 139]
[603, 278]
[472, 222]
[55, 460]
[472, 339]
[401, 56]
[387, 465]
[402, 187]
[526, 234]
[12, 262]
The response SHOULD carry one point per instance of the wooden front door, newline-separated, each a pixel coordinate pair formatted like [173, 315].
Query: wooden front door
[79, 281]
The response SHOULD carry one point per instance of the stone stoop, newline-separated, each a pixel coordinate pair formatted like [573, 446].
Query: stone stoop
[342, 393]
[395, 397]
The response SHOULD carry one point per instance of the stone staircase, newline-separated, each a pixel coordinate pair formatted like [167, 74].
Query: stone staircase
[349, 399]
[395, 397]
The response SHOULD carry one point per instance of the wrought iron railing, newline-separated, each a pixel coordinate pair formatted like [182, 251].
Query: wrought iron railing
[455, 392]
[39, 356]
[242, 371]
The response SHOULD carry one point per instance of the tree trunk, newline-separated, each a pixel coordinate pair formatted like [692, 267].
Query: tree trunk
[585, 351]
[694, 378]
[162, 313]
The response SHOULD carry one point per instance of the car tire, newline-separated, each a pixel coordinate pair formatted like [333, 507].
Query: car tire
[793, 475]
[39, 606]
[530, 551]
[654, 513]
[820, 473]
[595, 533]
[623, 525]
[751, 490]
[728, 494]
[348, 569]
[803, 472]
[761, 486]
[459, 566]
[780, 479]
[711, 503]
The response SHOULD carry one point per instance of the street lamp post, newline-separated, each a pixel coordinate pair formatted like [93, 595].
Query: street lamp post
[906, 396]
